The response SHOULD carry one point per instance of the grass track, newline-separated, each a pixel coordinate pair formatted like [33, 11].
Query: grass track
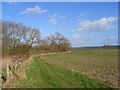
[41, 74]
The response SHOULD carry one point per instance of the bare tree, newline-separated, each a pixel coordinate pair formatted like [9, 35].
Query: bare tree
[17, 38]
[6, 35]
[56, 40]
[31, 36]
[12, 35]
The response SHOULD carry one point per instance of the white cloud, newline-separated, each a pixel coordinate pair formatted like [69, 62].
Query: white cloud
[50, 33]
[63, 17]
[82, 15]
[79, 37]
[100, 24]
[55, 17]
[34, 10]
[53, 20]
[111, 38]
[41, 30]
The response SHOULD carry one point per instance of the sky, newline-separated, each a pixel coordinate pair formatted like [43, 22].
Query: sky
[83, 23]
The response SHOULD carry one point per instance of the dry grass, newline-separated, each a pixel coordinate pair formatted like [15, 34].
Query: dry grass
[19, 75]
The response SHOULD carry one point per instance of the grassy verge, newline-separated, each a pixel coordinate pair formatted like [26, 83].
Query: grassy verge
[41, 74]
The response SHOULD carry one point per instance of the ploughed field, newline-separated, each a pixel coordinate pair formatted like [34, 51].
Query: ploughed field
[84, 68]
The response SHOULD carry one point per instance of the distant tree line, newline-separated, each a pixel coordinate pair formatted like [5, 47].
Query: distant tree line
[17, 39]
[107, 46]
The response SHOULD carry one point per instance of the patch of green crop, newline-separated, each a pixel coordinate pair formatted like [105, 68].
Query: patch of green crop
[101, 64]
[41, 74]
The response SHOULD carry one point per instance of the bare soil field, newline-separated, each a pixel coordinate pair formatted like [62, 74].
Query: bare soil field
[99, 63]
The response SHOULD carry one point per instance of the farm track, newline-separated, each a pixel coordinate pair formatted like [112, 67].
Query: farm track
[41, 74]
[8, 60]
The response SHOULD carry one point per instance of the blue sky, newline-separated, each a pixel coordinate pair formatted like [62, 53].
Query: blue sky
[83, 23]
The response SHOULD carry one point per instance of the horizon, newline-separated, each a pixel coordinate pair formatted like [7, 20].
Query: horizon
[98, 46]
[91, 24]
